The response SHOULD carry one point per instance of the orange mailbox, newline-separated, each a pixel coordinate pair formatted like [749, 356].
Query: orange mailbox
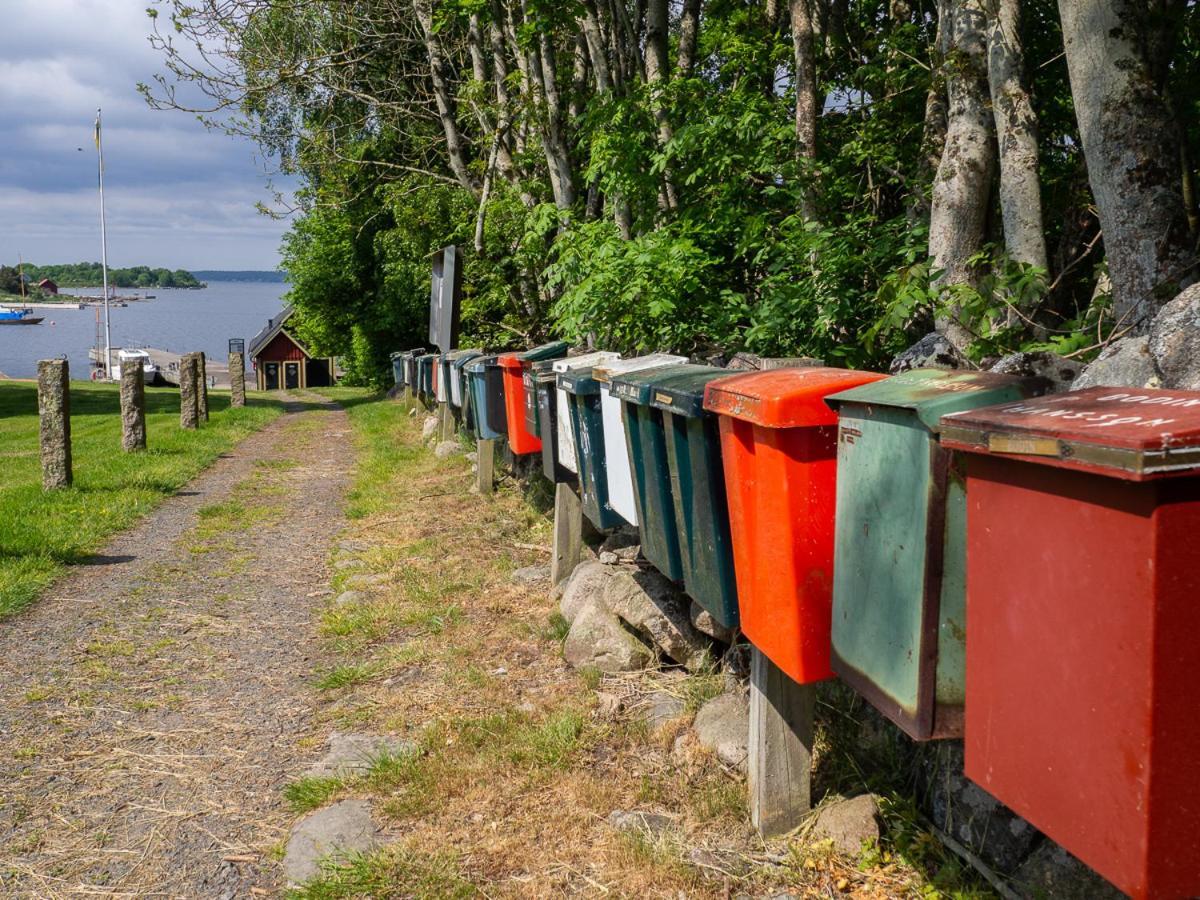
[779, 452]
[1083, 610]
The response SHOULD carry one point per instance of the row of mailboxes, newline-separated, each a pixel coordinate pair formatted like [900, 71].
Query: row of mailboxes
[975, 558]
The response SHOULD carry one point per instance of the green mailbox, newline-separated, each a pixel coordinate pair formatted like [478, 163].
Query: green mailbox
[587, 428]
[899, 582]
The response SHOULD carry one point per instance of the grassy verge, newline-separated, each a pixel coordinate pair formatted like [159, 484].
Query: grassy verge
[41, 533]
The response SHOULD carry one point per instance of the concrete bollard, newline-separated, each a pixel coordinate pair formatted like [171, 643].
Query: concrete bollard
[189, 405]
[202, 389]
[237, 380]
[133, 407]
[54, 413]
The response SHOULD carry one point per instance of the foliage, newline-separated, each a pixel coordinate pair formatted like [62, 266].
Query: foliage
[90, 274]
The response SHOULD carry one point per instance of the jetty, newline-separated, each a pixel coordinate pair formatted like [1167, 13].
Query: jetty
[168, 365]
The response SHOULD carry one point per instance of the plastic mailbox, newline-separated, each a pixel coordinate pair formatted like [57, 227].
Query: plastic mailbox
[1083, 573]
[520, 440]
[425, 379]
[566, 434]
[483, 386]
[441, 390]
[548, 422]
[454, 375]
[582, 391]
[899, 556]
[779, 449]
[397, 367]
[529, 382]
[616, 450]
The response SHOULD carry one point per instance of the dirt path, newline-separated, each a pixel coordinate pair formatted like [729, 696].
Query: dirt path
[152, 705]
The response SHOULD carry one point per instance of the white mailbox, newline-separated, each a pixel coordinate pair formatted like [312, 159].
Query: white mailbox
[566, 435]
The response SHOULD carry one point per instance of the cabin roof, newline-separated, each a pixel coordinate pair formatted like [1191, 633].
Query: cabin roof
[274, 326]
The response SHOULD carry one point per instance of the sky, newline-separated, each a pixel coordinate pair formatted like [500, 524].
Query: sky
[176, 194]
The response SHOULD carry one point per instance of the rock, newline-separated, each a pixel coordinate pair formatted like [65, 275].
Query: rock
[335, 831]
[703, 621]
[652, 605]
[355, 582]
[585, 585]
[662, 708]
[1060, 372]
[598, 640]
[445, 449]
[429, 428]
[971, 816]
[931, 352]
[723, 726]
[729, 863]
[1175, 341]
[620, 539]
[848, 824]
[348, 598]
[532, 575]
[353, 754]
[351, 563]
[352, 546]
[1050, 871]
[1124, 363]
[608, 706]
[608, 558]
[639, 822]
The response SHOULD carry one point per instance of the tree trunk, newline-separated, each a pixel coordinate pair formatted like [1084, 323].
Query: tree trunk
[1131, 145]
[1016, 136]
[657, 68]
[444, 99]
[803, 50]
[958, 214]
[689, 30]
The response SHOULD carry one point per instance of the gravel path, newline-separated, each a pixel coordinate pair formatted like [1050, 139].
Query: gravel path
[154, 704]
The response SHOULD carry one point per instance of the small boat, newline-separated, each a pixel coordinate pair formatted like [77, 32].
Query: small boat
[133, 357]
[10, 316]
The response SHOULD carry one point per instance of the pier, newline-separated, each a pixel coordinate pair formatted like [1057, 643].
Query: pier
[168, 366]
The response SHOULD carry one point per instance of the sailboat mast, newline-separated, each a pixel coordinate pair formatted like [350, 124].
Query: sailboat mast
[104, 254]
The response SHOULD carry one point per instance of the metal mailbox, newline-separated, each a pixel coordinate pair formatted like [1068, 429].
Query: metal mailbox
[779, 451]
[899, 556]
[548, 422]
[487, 397]
[410, 368]
[397, 367]
[425, 379]
[567, 449]
[454, 374]
[441, 389]
[582, 390]
[520, 440]
[616, 450]
[1083, 574]
[529, 381]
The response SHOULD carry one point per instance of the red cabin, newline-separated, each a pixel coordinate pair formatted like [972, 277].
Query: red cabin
[282, 362]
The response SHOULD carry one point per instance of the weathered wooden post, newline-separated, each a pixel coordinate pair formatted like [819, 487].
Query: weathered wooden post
[446, 421]
[237, 379]
[781, 742]
[567, 547]
[485, 466]
[133, 406]
[54, 413]
[202, 390]
[189, 404]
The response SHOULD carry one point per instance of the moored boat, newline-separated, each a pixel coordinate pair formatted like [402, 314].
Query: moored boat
[10, 316]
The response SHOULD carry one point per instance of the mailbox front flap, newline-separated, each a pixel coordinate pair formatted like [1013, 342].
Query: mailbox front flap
[546, 351]
[784, 398]
[933, 393]
[1134, 434]
[584, 361]
[680, 389]
[635, 387]
[465, 356]
[579, 381]
[606, 372]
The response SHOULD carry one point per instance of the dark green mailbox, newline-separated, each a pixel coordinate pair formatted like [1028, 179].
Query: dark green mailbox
[899, 583]
[486, 397]
[587, 428]
[546, 382]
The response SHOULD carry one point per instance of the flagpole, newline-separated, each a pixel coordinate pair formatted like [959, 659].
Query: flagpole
[104, 255]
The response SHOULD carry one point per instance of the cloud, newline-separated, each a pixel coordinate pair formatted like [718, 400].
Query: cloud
[178, 194]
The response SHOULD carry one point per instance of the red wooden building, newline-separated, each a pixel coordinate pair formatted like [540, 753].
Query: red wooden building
[48, 286]
[282, 362]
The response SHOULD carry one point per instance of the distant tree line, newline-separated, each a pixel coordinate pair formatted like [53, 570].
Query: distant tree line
[90, 274]
[256, 275]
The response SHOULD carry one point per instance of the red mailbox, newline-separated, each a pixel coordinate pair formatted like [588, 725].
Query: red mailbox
[1083, 611]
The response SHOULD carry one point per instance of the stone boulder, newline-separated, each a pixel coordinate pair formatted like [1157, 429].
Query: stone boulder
[931, 352]
[1050, 871]
[1059, 371]
[335, 832]
[722, 726]
[585, 586]
[446, 449]
[598, 640]
[1175, 341]
[354, 754]
[636, 822]
[847, 824]
[702, 620]
[429, 428]
[530, 575]
[1124, 363]
[653, 606]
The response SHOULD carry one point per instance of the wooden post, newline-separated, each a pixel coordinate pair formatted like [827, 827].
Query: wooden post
[568, 533]
[54, 422]
[237, 380]
[202, 389]
[485, 466]
[133, 406]
[446, 422]
[781, 741]
[189, 405]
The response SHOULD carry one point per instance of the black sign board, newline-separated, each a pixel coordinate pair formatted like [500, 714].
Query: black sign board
[445, 298]
[237, 345]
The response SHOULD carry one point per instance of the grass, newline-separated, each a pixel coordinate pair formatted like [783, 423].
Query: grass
[43, 533]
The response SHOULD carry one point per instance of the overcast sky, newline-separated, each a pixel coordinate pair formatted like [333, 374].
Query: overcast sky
[177, 195]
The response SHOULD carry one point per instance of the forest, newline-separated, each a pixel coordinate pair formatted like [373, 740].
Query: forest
[90, 274]
[830, 178]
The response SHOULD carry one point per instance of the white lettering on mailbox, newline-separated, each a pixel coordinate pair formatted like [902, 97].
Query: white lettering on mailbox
[1088, 419]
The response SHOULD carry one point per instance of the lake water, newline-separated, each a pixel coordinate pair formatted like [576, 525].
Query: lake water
[176, 320]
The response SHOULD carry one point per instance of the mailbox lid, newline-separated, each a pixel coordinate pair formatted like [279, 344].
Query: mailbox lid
[680, 389]
[636, 387]
[477, 365]
[584, 360]
[551, 350]
[607, 371]
[933, 393]
[784, 398]
[1135, 435]
[459, 358]
[579, 381]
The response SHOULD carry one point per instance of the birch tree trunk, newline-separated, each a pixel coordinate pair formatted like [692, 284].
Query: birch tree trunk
[958, 214]
[689, 30]
[455, 149]
[1131, 145]
[804, 53]
[1016, 136]
[657, 69]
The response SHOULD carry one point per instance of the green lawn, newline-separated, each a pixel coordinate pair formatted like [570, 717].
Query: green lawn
[42, 533]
